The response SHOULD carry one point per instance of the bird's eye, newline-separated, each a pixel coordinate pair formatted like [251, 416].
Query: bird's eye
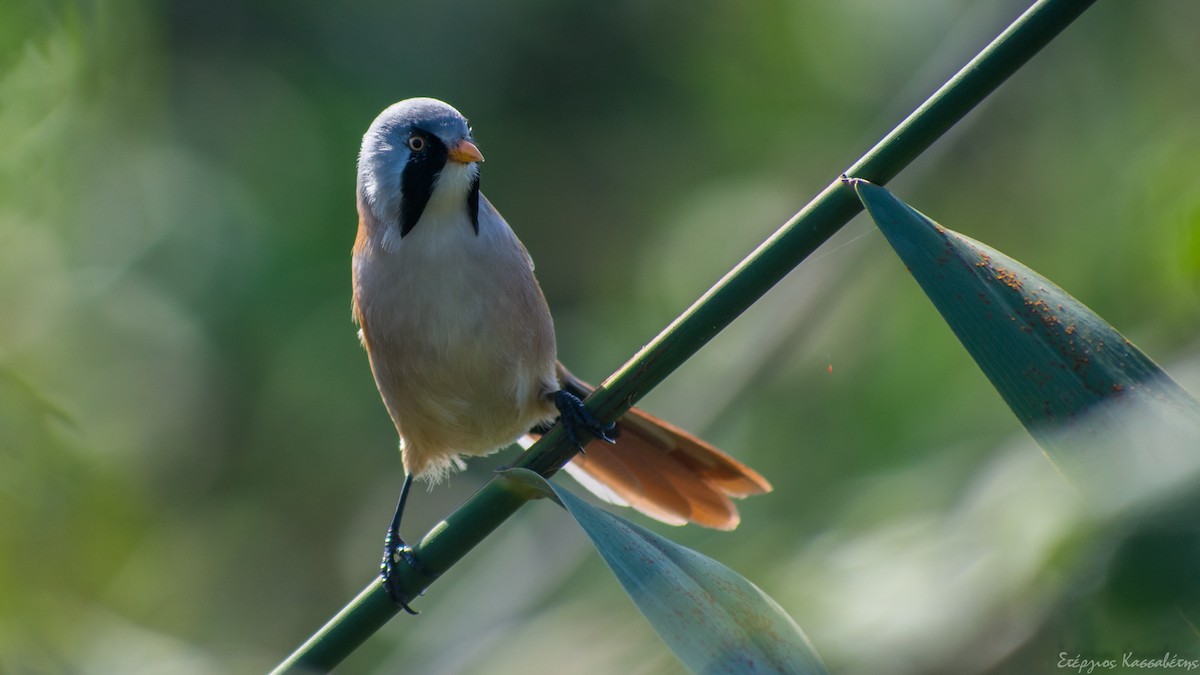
[416, 143]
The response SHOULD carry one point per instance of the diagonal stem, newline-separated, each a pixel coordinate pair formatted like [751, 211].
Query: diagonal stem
[451, 539]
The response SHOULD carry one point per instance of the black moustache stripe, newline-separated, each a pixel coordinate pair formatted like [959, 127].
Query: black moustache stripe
[473, 203]
[417, 179]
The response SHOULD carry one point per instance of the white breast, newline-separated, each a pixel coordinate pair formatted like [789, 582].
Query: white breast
[460, 338]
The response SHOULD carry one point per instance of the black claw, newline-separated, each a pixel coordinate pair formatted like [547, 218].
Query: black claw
[575, 417]
[394, 550]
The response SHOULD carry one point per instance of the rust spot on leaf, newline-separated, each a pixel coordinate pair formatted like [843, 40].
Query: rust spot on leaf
[1007, 278]
[1035, 375]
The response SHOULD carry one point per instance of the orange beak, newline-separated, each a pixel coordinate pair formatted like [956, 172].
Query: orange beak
[465, 152]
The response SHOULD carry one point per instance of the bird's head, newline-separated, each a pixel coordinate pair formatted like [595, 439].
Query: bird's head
[418, 160]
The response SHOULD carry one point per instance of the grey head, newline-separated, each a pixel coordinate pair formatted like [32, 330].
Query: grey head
[417, 152]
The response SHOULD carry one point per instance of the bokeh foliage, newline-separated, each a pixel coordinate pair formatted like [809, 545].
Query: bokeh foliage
[195, 469]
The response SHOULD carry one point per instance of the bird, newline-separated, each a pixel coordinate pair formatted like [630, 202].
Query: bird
[462, 347]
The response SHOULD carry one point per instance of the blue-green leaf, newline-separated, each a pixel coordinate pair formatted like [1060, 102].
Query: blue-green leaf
[711, 617]
[1070, 377]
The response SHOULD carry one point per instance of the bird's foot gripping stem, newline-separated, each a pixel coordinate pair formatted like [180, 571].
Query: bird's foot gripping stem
[394, 551]
[575, 418]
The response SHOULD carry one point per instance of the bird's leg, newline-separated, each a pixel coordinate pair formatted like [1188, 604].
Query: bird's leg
[575, 418]
[394, 549]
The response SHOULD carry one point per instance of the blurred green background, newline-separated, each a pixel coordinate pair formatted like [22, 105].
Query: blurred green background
[195, 468]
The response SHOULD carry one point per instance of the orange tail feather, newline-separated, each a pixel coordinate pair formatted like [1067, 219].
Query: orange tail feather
[663, 471]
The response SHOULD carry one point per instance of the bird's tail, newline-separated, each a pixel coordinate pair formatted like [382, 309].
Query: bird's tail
[662, 470]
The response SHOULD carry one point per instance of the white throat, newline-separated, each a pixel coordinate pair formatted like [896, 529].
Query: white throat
[447, 205]
[451, 188]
